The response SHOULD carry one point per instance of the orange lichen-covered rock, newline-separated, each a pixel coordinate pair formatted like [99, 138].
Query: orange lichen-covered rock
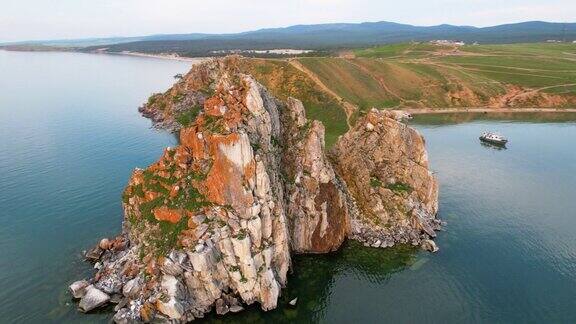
[215, 106]
[167, 215]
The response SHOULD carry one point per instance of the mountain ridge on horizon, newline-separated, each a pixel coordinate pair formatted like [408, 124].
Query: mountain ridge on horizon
[288, 29]
[321, 36]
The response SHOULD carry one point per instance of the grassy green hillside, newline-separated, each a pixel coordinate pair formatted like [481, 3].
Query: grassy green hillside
[552, 66]
[430, 76]
[386, 84]
[284, 81]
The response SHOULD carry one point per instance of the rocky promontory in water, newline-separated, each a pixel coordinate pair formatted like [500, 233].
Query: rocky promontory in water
[212, 225]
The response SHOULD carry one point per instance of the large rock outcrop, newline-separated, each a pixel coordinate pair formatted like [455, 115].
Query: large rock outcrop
[385, 167]
[212, 224]
[214, 205]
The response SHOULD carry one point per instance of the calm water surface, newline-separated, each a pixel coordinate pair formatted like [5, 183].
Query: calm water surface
[70, 136]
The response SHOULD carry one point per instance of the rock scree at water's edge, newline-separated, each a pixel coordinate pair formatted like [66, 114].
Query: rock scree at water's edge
[213, 223]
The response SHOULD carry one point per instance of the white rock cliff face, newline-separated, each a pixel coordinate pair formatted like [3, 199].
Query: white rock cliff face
[211, 225]
[316, 205]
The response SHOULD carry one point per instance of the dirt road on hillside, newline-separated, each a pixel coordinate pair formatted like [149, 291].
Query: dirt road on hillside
[349, 108]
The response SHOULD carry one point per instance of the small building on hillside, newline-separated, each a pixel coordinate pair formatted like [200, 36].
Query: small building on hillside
[445, 42]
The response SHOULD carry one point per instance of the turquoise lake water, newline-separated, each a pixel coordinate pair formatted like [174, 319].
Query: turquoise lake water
[70, 136]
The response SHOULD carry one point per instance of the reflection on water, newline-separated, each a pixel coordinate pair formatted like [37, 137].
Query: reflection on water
[492, 146]
[315, 276]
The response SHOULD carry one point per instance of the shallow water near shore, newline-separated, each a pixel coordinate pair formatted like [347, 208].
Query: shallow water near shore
[70, 136]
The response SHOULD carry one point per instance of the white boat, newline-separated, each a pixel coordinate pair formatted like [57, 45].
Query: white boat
[493, 138]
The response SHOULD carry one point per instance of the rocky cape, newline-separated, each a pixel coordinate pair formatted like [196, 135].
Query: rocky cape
[212, 225]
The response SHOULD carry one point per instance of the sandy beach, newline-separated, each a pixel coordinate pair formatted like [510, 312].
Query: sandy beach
[166, 57]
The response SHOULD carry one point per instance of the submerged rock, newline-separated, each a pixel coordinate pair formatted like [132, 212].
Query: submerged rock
[92, 299]
[94, 254]
[429, 246]
[221, 307]
[104, 244]
[78, 288]
[213, 222]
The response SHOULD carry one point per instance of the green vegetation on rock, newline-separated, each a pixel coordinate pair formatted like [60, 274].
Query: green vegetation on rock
[169, 235]
[153, 98]
[214, 124]
[399, 187]
[375, 183]
[164, 234]
[188, 117]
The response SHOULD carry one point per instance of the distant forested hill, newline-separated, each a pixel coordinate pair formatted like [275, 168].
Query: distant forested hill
[331, 36]
[324, 36]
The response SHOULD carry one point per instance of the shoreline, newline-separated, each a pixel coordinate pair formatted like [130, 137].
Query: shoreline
[135, 54]
[162, 56]
[427, 111]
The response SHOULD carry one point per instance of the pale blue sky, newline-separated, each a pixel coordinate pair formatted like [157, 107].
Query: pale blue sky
[55, 19]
